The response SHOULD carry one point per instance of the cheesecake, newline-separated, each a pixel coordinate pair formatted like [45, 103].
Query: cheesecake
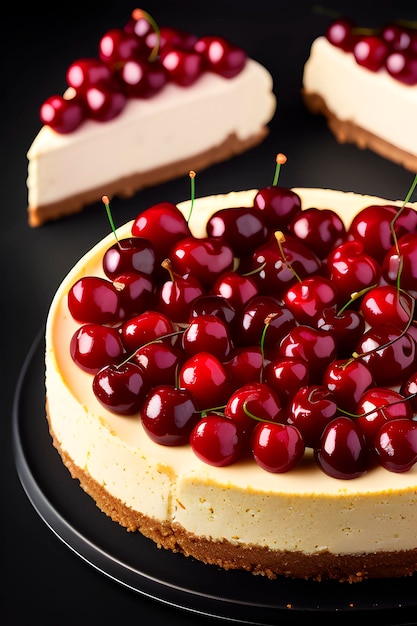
[302, 523]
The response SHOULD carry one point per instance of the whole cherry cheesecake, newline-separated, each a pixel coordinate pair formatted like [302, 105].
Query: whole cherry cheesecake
[154, 103]
[235, 378]
[364, 81]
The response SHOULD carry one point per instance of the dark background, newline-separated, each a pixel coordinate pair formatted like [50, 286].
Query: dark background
[43, 581]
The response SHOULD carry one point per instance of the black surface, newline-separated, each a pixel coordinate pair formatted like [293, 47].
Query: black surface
[43, 580]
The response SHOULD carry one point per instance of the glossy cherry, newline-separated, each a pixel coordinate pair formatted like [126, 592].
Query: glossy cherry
[221, 56]
[320, 229]
[286, 376]
[204, 259]
[277, 448]
[61, 114]
[342, 452]
[94, 299]
[310, 410]
[207, 333]
[215, 440]
[378, 405]
[206, 379]
[307, 299]
[145, 327]
[242, 228]
[121, 388]
[169, 414]
[316, 347]
[94, 346]
[347, 380]
[127, 255]
[396, 445]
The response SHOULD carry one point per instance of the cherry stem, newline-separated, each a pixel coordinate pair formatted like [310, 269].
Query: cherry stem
[378, 408]
[280, 159]
[137, 14]
[167, 265]
[192, 180]
[255, 417]
[280, 237]
[106, 202]
[148, 343]
[265, 328]
[354, 296]
[215, 409]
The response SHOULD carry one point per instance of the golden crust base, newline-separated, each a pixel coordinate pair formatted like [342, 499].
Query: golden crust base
[129, 185]
[348, 132]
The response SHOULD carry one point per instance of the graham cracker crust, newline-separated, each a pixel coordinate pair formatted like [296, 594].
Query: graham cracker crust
[129, 185]
[348, 132]
[258, 560]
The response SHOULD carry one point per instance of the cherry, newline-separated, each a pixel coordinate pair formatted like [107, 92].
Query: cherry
[278, 206]
[386, 304]
[373, 226]
[378, 405]
[339, 33]
[316, 347]
[306, 299]
[351, 269]
[136, 293]
[160, 362]
[127, 255]
[177, 294]
[118, 45]
[277, 326]
[145, 327]
[310, 410]
[163, 225]
[397, 37]
[207, 333]
[94, 346]
[346, 326]
[402, 66]
[61, 114]
[121, 388]
[236, 288]
[404, 256]
[203, 258]
[251, 402]
[221, 56]
[94, 299]
[371, 51]
[142, 78]
[242, 228]
[206, 379]
[169, 414]
[342, 452]
[276, 267]
[277, 448]
[251, 321]
[409, 390]
[184, 67]
[103, 102]
[285, 376]
[396, 445]
[85, 72]
[172, 38]
[389, 353]
[215, 440]
[347, 380]
[213, 305]
[321, 229]
[245, 365]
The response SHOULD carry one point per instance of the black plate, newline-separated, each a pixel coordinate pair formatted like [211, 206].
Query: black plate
[135, 562]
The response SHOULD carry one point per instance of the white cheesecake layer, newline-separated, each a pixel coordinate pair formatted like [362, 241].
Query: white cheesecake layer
[375, 101]
[175, 124]
[303, 509]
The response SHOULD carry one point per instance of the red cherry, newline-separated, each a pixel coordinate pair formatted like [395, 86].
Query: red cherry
[250, 324]
[206, 379]
[386, 304]
[62, 115]
[405, 256]
[278, 205]
[236, 288]
[310, 410]
[378, 405]
[213, 305]
[168, 415]
[94, 299]
[163, 225]
[127, 255]
[86, 72]
[242, 228]
[409, 390]
[316, 347]
[120, 388]
[142, 78]
[402, 66]
[347, 380]
[176, 296]
[145, 327]
[103, 102]
[245, 365]
[172, 38]
[204, 258]
[184, 67]
[215, 440]
[342, 452]
[339, 33]
[118, 45]
[351, 269]
[396, 445]
[321, 229]
[94, 346]
[397, 37]
[277, 448]
[222, 57]
[307, 299]
[160, 362]
[251, 402]
[346, 326]
[286, 376]
[370, 52]
[207, 333]
[136, 293]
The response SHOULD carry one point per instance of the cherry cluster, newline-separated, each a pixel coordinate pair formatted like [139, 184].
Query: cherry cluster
[279, 330]
[393, 47]
[136, 61]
